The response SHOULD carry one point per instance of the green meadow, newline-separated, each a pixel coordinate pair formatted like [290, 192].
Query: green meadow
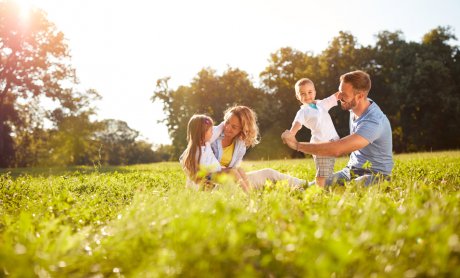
[141, 221]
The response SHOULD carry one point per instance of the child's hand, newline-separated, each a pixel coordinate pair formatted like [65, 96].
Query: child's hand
[337, 95]
[290, 140]
[287, 136]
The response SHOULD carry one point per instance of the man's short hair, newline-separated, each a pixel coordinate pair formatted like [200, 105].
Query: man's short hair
[360, 80]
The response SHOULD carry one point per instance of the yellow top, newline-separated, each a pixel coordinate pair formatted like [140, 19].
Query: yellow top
[227, 155]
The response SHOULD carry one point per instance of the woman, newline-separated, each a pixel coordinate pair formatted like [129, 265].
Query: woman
[240, 132]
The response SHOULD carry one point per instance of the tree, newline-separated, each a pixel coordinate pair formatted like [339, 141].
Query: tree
[163, 152]
[31, 142]
[8, 115]
[116, 139]
[34, 63]
[208, 93]
[431, 96]
[73, 142]
[390, 55]
[142, 152]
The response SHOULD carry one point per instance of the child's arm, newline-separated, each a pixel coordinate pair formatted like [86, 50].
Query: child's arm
[296, 126]
[330, 101]
[217, 131]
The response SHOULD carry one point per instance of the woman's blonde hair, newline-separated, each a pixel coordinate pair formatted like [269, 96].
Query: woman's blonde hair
[248, 119]
[197, 127]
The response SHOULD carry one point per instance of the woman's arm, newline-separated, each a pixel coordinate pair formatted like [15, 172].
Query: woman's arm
[238, 153]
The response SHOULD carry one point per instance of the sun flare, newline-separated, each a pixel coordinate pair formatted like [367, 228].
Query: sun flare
[25, 7]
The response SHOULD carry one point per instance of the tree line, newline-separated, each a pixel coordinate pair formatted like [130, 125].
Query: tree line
[416, 84]
[35, 66]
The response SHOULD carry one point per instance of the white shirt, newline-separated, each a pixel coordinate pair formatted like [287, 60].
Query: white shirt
[318, 120]
[238, 152]
[208, 160]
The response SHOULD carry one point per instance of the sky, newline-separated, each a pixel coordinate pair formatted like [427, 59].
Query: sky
[121, 48]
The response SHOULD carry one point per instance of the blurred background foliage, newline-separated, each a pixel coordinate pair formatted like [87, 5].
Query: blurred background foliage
[416, 84]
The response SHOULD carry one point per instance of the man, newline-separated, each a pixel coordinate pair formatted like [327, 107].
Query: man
[370, 139]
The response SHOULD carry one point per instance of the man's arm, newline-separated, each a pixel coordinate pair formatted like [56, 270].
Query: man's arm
[345, 145]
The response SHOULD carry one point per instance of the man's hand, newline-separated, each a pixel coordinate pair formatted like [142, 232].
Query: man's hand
[289, 139]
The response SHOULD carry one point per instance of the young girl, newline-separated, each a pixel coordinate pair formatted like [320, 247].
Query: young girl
[198, 160]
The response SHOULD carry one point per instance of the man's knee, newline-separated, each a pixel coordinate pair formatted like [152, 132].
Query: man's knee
[369, 179]
[338, 178]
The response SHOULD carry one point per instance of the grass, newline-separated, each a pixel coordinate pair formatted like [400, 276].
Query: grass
[140, 221]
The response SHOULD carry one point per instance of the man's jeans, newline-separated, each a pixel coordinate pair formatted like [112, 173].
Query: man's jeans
[364, 176]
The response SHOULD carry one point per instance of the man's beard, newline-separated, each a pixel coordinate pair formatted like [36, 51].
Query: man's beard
[348, 105]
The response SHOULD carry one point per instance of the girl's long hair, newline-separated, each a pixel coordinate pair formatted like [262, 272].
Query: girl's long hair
[196, 131]
[248, 119]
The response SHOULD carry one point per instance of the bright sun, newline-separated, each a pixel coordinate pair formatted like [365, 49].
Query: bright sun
[25, 6]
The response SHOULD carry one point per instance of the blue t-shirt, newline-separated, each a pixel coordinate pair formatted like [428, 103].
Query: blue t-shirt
[374, 126]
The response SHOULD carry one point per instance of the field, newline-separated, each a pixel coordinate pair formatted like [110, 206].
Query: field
[140, 221]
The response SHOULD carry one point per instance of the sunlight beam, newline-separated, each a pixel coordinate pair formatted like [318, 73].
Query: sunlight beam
[25, 7]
